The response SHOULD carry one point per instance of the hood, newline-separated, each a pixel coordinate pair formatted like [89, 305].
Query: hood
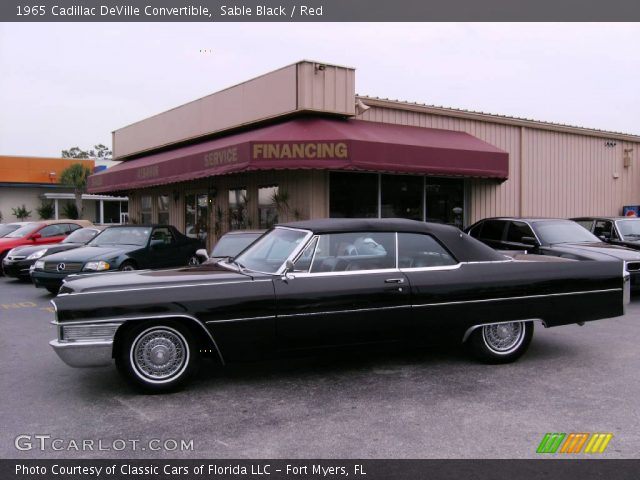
[141, 279]
[596, 251]
[27, 250]
[88, 254]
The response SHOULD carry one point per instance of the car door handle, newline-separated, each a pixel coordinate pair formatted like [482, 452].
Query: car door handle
[394, 280]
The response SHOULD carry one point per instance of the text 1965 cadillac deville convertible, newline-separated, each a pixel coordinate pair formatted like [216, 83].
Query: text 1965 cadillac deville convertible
[324, 283]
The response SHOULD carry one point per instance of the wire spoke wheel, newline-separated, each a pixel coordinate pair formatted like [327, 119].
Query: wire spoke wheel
[159, 354]
[503, 337]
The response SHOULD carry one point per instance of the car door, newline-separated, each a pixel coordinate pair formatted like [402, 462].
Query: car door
[433, 275]
[52, 233]
[163, 251]
[345, 289]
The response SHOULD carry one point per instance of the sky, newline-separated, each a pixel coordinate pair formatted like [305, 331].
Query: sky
[65, 84]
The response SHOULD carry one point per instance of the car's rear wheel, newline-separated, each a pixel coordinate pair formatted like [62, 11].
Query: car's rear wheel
[127, 266]
[193, 261]
[500, 342]
[158, 357]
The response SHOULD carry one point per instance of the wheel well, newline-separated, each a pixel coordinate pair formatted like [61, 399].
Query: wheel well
[205, 344]
[471, 329]
[131, 261]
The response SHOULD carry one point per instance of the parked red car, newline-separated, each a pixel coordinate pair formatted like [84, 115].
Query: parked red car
[42, 232]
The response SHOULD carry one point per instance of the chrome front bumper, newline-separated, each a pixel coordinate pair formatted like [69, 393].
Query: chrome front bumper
[84, 354]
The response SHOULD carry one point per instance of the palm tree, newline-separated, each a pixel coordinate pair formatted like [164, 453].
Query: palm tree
[76, 176]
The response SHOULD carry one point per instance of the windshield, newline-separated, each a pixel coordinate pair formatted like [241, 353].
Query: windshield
[562, 231]
[232, 245]
[23, 231]
[122, 236]
[270, 252]
[5, 229]
[629, 228]
[82, 235]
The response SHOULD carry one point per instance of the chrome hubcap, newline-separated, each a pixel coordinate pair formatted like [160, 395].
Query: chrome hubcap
[160, 353]
[503, 337]
[193, 261]
[127, 268]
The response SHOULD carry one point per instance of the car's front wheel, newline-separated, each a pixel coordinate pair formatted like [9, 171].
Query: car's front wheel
[500, 342]
[158, 357]
[193, 261]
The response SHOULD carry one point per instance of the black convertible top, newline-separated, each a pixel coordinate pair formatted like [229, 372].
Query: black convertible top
[463, 247]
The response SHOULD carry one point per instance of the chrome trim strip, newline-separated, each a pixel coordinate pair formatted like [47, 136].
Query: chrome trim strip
[160, 287]
[348, 272]
[433, 269]
[470, 330]
[310, 314]
[501, 299]
[397, 250]
[228, 320]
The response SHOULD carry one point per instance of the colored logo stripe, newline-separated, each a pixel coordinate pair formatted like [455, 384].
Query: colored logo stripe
[574, 442]
[598, 442]
[550, 443]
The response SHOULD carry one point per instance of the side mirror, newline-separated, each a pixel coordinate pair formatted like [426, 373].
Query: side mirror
[605, 237]
[288, 269]
[202, 255]
[530, 241]
[156, 243]
[35, 236]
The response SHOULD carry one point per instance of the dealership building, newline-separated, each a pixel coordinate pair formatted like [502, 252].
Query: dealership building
[299, 143]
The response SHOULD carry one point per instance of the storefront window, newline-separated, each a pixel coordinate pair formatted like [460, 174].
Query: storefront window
[445, 200]
[196, 216]
[238, 214]
[353, 195]
[163, 209]
[145, 209]
[267, 211]
[402, 196]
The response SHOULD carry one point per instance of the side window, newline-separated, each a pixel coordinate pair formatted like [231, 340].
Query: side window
[162, 236]
[475, 231]
[418, 251]
[602, 228]
[517, 230]
[341, 252]
[70, 227]
[55, 230]
[303, 263]
[492, 230]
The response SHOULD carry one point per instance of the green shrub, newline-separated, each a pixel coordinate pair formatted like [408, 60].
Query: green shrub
[21, 213]
[46, 210]
[70, 211]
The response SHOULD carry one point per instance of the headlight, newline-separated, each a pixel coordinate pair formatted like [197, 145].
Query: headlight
[10, 252]
[97, 266]
[37, 254]
[39, 265]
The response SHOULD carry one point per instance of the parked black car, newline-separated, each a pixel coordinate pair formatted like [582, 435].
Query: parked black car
[230, 245]
[324, 283]
[623, 231]
[120, 247]
[557, 237]
[19, 260]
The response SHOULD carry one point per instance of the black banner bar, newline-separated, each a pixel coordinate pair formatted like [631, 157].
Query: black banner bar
[318, 10]
[583, 469]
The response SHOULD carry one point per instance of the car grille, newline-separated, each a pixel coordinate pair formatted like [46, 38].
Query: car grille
[14, 258]
[633, 267]
[69, 267]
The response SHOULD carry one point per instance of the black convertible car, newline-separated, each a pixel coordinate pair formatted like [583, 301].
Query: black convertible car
[119, 248]
[324, 283]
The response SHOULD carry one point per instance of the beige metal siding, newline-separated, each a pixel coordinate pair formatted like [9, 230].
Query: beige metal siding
[550, 173]
[326, 88]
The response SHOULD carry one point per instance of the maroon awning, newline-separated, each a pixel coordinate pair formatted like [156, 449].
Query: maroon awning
[314, 143]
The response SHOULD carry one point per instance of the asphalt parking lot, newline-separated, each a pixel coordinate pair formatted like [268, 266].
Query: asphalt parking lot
[407, 403]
